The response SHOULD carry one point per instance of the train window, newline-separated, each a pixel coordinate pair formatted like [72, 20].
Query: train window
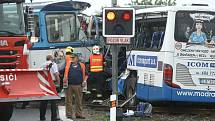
[61, 27]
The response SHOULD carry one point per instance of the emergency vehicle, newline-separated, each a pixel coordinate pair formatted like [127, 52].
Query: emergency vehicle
[173, 55]
[18, 82]
[57, 25]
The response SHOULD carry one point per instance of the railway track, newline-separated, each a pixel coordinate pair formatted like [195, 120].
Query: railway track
[160, 109]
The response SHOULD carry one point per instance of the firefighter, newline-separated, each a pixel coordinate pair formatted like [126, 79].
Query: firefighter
[69, 51]
[97, 77]
[61, 66]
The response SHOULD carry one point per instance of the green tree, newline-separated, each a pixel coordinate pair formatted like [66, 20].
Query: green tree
[158, 2]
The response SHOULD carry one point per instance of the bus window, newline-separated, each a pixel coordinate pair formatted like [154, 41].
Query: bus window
[195, 27]
[150, 31]
[61, 27]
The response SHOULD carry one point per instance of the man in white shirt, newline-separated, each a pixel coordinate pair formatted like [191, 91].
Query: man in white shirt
[52, 66]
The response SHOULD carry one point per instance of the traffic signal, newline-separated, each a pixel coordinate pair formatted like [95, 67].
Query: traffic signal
[118, 22]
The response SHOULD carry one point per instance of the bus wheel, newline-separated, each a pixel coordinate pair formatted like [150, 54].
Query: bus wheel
[6, 111]
[129, 93]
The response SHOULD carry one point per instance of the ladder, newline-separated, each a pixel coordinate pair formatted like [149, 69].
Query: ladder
[30, 18]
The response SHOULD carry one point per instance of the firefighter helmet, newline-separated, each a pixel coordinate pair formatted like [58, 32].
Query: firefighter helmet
[96, 49]
[69, 49]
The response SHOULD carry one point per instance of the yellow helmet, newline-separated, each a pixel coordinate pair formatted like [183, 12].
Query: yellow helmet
[69, 49]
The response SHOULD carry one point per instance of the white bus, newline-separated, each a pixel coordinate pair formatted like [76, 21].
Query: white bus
[173, 55]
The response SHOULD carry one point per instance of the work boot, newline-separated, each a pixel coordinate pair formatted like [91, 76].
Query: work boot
[42, 119]
[69, 117]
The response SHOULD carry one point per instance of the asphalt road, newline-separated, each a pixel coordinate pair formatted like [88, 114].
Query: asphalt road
[30, 114]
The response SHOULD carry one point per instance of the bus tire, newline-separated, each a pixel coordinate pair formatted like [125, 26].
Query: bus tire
[6, 111]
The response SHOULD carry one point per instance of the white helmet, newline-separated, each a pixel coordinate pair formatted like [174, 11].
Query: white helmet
[96, 49]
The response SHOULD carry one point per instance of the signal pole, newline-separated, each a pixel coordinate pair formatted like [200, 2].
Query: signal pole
[114, 96]
[117, 34]
[114, 50]
[114, 3]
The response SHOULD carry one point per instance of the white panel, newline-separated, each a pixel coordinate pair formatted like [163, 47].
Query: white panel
[37, 58]
[148, 75]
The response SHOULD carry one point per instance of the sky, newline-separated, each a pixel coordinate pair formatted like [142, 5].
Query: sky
[96, 5]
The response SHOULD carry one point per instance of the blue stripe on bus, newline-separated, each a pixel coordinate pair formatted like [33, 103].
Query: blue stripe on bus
[166, 93]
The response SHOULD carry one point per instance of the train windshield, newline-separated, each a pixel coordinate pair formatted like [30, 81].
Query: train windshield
[61, 27]
[11, 19]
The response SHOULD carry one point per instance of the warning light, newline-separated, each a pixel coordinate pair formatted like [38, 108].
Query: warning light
[111, 16]
[118, 22]
[126, 16]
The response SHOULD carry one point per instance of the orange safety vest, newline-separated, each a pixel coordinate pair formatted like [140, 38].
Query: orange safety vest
[96, 63]
[68, 59]
[66, 72]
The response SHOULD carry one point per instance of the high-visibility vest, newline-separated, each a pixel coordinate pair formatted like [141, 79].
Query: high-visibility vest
[66, 72]
[68, 59]
[96, 63]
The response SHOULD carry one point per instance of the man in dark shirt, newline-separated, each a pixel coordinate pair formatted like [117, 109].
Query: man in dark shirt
[74, 80]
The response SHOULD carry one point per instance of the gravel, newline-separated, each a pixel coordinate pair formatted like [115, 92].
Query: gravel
[93, 115]
[174, 117]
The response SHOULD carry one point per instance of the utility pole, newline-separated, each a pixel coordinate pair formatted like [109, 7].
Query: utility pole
[117, 34]
[114, 96]
[114, 3]
[114, 50]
